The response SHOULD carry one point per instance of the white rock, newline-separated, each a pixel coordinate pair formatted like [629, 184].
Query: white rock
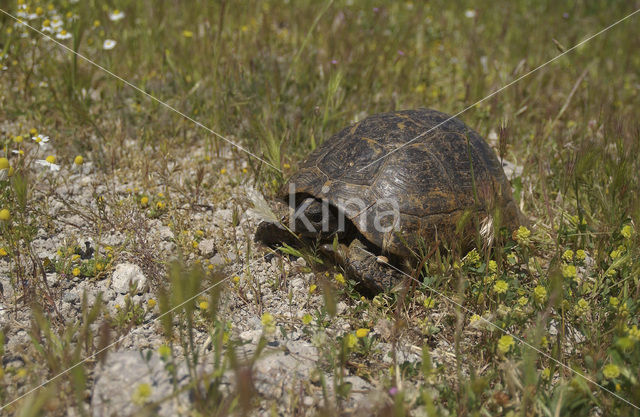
[207, 248]
[297, 283]
[223, 217]
[125, 274]
[250, 335]
[164, 233]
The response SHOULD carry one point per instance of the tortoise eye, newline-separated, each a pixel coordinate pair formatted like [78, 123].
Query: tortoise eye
[315, 216]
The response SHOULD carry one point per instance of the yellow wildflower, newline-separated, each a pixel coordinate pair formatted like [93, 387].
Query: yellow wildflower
[505, 343]
[521, 235]
[429, 302]
[362, 332]
[627, 231]
[544, 342]
[500, 287]
[611, 371]
[151, 303]
[76, 272]
[141, 394]
[545, 374]
[489, 278]
[493, 266]
[569, 271]
[472, 258]
[203, 305]
[540, 294]
[567, 255]
[164, 351]
[581, 308]
[312, 288]
[350, 340]
[613, 301]
[340, 278]
[267, 319]
[5, 214]
[306, 319]
[581, 255]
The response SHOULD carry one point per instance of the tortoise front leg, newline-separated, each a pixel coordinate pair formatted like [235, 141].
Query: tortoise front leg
[364, 267]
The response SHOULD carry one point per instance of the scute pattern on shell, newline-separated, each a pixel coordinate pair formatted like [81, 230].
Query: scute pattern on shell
[431, 179]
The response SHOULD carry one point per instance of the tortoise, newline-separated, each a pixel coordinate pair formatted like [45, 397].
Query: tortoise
[389, 183]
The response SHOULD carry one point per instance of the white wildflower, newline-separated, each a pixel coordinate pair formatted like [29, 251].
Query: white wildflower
[49, 163]
[116, 15]
[56, 23]
[40, 139]
[108, 44]
[63, 35]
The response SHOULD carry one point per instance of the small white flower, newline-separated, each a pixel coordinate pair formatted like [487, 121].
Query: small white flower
[40, 139]
[470, 13]
[23, 11]
[116, 15]
[108, 44]
[32, 16]
[18, 152]
[45, 163]
[43, 84]
[46, 29]
[56, 22]
[63, 35]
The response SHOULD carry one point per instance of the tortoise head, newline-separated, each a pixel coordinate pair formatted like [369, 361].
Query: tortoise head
[314, 218]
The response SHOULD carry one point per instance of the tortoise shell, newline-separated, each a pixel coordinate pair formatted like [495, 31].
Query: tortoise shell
[430, 181]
